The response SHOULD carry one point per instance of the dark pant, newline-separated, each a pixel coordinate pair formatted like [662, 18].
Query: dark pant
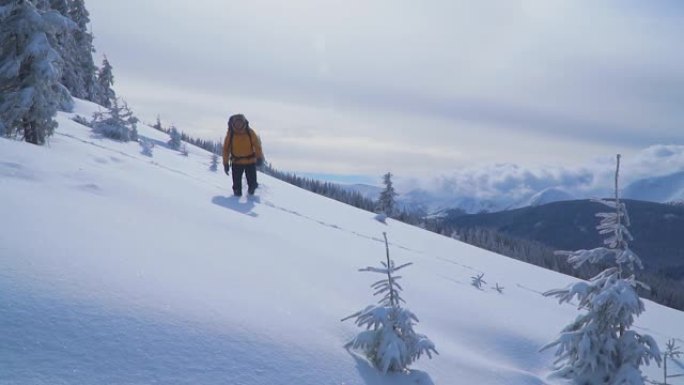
[250, 171]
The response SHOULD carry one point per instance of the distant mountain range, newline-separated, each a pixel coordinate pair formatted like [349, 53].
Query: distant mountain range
[570, 225]
[659, 189]
[667, 188]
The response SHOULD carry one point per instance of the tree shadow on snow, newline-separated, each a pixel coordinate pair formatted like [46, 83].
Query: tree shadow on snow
[373, 376]
[234, 203]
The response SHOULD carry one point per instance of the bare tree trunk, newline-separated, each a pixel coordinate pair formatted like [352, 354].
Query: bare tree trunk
[389, 273]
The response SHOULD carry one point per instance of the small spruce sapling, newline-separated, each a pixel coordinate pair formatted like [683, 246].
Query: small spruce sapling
[158, 125]
[672, 353]
[213, 167]
[598, 347]
[105, 80]
[389, 340]
[387, 200]
[175, 138]
[146, 146]
[477, 281]
[82, 120]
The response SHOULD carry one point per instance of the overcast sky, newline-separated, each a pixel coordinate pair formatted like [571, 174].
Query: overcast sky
[413, 87]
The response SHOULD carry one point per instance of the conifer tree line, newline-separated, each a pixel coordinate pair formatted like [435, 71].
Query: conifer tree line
[349, 196]
[327, 189]
[46, 58]
[331, 190]
[177, 136]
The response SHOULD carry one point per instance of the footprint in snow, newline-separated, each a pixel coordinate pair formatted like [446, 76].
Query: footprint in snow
[89, 187]
[15, 170]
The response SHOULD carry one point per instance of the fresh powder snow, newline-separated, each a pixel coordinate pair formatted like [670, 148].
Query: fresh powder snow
[118, 267]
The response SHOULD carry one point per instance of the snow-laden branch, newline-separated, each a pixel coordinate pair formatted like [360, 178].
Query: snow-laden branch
[389, 340]
[598, 347]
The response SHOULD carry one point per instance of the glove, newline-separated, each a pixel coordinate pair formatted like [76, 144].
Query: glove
[260, 162]
[226, 168]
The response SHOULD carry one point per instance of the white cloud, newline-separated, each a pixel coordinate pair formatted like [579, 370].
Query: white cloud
[424, 87]
[509, 184]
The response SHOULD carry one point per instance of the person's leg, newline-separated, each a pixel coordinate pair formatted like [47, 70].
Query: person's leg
[250, 171]
[238, 170]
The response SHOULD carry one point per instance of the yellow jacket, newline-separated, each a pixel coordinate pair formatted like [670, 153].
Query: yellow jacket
[244, 149]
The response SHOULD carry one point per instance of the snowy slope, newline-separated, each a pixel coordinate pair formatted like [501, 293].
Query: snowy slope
[117, 268]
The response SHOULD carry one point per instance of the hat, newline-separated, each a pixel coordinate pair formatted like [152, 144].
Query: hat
[237, 117]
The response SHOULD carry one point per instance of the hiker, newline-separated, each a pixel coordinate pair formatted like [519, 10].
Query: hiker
[242, 149]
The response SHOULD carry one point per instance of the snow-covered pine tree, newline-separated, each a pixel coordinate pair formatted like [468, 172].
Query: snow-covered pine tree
[158, 125]
[389, 340]
[214, 159]
[85, 69]
[386, 201]
[30, 71]
[175, 138]
[75, 46]
[60, 6]
[598, 348]
[105, 80]
[65, 45]
[118, 123]
[132, 121]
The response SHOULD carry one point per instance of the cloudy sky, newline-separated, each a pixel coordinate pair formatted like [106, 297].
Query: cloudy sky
[419, 88]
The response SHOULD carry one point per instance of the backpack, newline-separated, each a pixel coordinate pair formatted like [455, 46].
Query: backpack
[251, 144]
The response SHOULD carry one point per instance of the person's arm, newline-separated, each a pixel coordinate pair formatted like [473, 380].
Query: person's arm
[226, 150]
[226, 154]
